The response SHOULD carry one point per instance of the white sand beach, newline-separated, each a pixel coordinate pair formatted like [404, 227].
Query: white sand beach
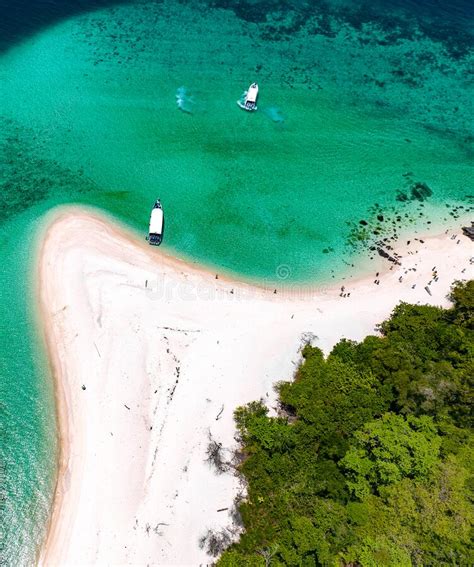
[151, 355]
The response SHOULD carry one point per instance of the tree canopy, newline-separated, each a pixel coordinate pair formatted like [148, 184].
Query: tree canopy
[389, 449]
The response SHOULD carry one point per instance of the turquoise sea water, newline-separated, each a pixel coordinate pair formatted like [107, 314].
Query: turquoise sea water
[356, 107]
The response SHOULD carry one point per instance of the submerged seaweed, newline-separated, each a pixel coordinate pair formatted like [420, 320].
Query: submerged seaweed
[27, 176]
[418, 191]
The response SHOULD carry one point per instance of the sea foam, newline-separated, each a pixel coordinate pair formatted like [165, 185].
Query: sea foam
[184, 100]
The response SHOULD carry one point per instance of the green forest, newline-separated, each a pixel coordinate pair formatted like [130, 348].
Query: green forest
[369, 462]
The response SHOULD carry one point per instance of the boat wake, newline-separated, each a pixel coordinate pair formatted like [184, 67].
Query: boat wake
[184, 100]
[241, 101]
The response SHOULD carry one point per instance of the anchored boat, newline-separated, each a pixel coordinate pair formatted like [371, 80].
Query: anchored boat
[155, 232]
[249, 99]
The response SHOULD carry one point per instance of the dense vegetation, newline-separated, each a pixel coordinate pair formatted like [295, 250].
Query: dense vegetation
[370, 461]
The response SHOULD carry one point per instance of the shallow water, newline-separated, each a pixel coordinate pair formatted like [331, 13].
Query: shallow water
[356, 106]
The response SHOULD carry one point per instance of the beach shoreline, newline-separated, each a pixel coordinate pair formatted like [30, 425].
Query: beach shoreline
[89, 269]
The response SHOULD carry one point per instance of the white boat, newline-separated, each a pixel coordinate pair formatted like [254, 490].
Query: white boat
[155, 232]
[248, 101]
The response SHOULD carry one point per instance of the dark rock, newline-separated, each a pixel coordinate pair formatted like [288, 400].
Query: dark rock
[420, 191]
[469, 231]
[401, 196]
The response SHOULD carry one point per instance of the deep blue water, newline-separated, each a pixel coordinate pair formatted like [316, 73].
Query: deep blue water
[449, 21]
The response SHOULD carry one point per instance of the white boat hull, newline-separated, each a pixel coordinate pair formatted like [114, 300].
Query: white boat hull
[155, 231]
[248, 101]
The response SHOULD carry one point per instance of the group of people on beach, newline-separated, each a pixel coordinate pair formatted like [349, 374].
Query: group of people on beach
[344, 293]
[434, 270]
